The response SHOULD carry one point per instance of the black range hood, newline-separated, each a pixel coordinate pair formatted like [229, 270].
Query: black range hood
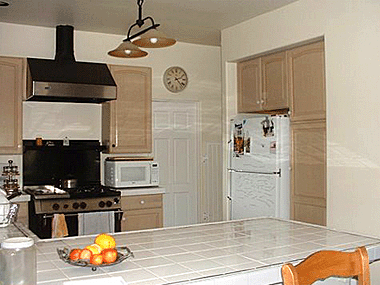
[66, 80]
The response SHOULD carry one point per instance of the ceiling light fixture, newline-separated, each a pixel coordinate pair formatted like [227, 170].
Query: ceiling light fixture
[149, 37]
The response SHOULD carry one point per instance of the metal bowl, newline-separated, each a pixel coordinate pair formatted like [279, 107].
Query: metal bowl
[122, 254]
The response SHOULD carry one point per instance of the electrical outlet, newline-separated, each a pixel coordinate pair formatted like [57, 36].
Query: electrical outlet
[206, 217]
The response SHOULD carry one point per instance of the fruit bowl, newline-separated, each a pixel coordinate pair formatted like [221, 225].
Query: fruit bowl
[122, 254]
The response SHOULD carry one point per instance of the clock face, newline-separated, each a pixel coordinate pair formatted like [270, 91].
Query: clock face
[175, 79]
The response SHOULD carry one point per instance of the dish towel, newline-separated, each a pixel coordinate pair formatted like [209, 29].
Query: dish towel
[59, 226]
[96, 223]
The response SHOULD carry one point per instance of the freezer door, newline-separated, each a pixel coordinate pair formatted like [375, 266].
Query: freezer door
[265, 153]
[253, 195]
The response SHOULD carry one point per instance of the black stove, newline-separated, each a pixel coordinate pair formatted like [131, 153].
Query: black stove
[46, 165]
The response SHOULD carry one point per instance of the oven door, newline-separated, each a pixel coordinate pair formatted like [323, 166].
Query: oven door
[41, 224]
[90, 223]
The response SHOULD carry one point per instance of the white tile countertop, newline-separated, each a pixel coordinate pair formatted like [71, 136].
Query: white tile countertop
[251, 249]
[10, 231]
[141, 191]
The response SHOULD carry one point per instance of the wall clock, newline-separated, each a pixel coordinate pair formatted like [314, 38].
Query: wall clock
[175, 79]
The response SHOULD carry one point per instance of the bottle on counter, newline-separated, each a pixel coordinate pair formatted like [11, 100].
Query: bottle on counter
[18, 261]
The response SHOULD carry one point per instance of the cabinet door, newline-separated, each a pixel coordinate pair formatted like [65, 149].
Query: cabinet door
[309, 172]
[141, 219]
[12, 87]
[274, 81]
[127, 121]
[306, 69]
[23, 214]
[249, 86]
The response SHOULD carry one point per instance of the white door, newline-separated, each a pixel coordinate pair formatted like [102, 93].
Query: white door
[175, 148]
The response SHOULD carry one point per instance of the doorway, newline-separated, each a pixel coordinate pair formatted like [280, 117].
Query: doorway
[176, 149]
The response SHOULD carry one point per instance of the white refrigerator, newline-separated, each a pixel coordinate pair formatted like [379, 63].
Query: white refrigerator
[259, 167]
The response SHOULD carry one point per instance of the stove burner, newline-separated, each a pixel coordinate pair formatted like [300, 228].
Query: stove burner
[92, 191]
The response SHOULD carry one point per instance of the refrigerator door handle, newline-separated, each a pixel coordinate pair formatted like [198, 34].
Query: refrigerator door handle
[255, 172]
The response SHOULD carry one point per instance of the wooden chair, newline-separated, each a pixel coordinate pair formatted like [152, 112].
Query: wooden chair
[326, 263]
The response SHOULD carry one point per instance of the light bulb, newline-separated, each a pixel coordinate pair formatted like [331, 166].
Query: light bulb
[153, 40]
[128, 51]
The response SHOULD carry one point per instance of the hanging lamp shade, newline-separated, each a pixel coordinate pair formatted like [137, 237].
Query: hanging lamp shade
[127, 49]
[154, 39]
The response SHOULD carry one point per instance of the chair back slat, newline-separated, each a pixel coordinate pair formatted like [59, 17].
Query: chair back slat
[324, 264]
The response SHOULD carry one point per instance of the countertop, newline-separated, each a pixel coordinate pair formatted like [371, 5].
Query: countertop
[141, 191]
[204, 253]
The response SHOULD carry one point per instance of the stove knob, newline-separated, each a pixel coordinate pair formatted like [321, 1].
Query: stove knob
[55, 207]
[102, 204]
[116, 200]
[65, 206]
[76, 205]
[83, 205]
[109, 203]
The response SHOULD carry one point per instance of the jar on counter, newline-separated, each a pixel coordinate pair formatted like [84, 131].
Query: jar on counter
[18, 261]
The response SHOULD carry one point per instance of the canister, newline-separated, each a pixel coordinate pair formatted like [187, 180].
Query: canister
[18, 261]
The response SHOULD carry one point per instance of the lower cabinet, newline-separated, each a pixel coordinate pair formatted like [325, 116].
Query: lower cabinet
[141, 212]
[309, 172]
[22, 215]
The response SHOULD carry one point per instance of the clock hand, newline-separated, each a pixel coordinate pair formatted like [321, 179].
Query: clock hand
[179, 81]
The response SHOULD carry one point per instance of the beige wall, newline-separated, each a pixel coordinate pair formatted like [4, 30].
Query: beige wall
[351, 29]
[202, 63]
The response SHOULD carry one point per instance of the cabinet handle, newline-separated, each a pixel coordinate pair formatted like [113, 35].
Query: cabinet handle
[113, 145]
[142, 202]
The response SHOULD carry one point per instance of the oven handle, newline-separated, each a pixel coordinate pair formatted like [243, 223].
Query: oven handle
[45, 216]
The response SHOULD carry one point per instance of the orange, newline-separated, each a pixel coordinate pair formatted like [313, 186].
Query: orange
[109, 255]
[105, 241]
[94, 248]
[75, 254]
[85, 254]
[96, 259]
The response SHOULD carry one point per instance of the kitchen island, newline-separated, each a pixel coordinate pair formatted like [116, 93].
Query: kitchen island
[242, 252]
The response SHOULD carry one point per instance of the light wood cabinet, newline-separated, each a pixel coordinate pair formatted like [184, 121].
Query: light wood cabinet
[274, 81]
[309, 172]
[262, 84]
[23, 214]
[127, 121]
[12, 88]
[306, 82]
[141, 212]
[249, 86]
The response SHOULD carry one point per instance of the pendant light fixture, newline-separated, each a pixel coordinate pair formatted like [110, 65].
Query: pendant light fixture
[148, 37]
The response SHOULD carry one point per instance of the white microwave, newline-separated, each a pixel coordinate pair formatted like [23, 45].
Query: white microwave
[125, 173]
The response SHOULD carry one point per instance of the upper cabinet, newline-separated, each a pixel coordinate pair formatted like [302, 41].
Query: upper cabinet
[273, 68]
[306, 75]
[262, 84]
[249, 86]
[127, 121]
[12, 88]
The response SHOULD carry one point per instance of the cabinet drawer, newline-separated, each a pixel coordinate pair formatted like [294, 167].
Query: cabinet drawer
[141, 202]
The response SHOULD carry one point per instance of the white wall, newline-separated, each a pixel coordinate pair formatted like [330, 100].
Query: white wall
[351, 29]
[202, 64]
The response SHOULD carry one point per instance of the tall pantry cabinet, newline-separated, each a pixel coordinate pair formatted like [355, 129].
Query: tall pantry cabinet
[12, 88]
[306, 83]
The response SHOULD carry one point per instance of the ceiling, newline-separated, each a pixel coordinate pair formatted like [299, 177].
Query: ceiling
[191, 21]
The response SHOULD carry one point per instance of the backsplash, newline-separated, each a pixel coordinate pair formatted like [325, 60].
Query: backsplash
[51, 120]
